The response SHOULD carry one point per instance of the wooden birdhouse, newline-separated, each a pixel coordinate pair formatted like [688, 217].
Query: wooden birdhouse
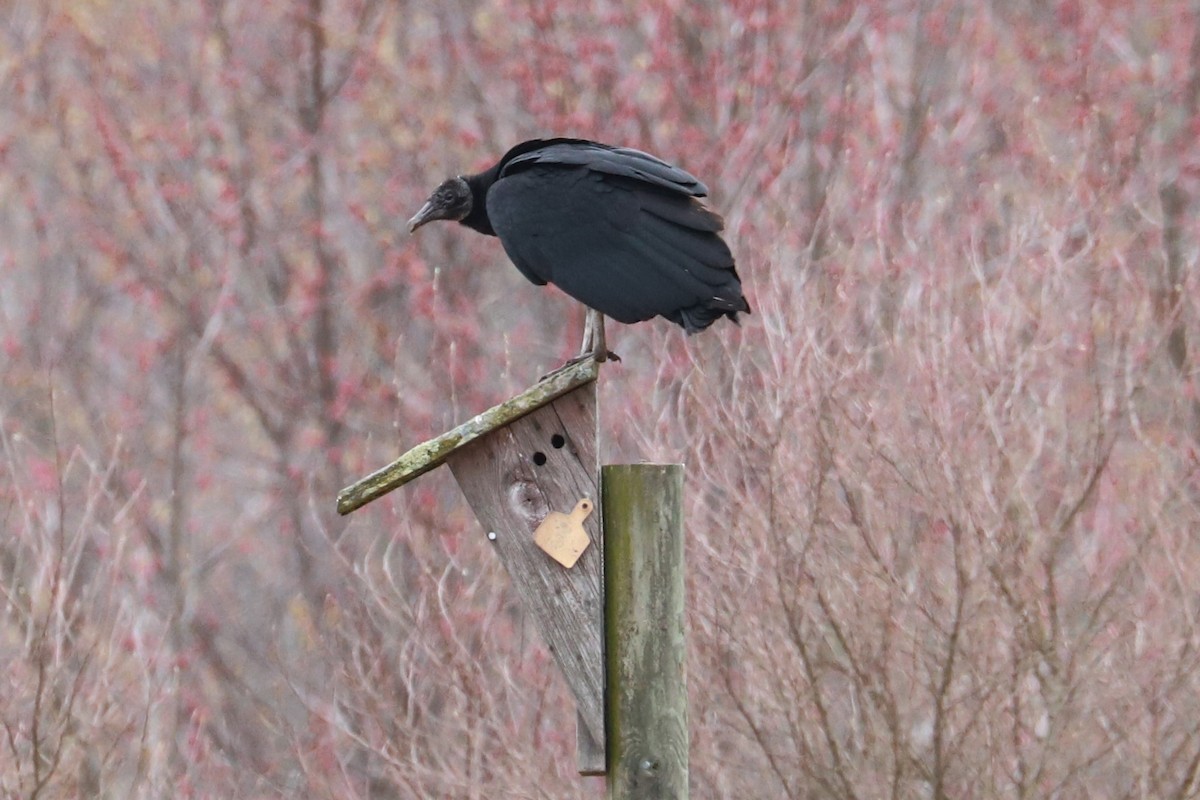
[529, 468]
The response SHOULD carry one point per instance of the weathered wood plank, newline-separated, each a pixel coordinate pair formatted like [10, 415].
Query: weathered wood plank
[644, 637]
[547, 461]
[589, 754]
[430, 454]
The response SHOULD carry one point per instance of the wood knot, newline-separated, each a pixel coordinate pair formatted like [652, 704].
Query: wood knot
[527, 500]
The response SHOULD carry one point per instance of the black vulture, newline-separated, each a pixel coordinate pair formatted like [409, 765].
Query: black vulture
[615, 228]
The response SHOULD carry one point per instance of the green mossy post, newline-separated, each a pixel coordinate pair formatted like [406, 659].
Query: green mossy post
[645, 650]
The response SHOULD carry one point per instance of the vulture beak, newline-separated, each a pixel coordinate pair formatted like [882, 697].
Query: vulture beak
[428, 213]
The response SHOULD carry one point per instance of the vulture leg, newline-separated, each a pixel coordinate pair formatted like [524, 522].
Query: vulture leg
[589, 335]
[594, 346]
[593, 337]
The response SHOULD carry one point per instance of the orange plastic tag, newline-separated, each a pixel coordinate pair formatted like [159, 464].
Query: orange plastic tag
[562, 535]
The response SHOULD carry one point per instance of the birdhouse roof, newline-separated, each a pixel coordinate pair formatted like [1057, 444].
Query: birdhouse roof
[430, 454]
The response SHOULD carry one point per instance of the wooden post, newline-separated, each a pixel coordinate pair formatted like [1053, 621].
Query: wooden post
[644, 632]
